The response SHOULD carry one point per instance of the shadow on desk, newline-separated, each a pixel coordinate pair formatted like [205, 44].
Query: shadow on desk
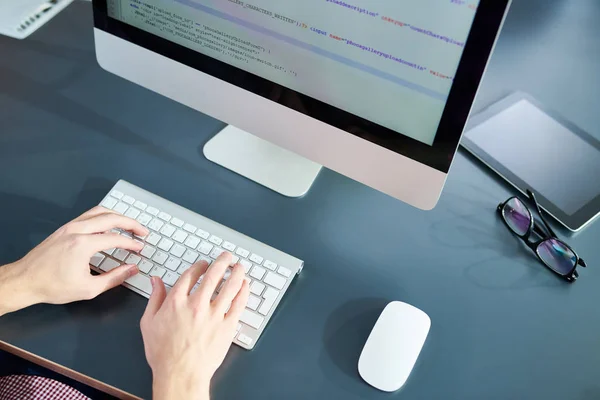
[345, 335]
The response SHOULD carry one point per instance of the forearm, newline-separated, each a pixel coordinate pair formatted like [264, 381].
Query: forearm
[15, 293]
[166, 388]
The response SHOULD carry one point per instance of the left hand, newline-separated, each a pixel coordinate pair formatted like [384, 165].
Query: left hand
[57, 271]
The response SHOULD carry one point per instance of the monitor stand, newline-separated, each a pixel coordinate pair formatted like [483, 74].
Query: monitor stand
[261, 161]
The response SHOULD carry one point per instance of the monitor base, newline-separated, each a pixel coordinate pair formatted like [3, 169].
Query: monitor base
[276, 168]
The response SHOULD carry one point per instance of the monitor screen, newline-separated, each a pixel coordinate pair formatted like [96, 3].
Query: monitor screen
[389, 62]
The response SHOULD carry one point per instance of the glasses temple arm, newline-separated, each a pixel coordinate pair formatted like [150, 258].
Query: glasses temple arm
[539, 210]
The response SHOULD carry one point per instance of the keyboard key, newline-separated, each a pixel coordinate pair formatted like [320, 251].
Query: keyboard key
[266, 306]
[164, 216]
[160, 257]
[141, 205]
[153, 238]
[227, 274]
[192, 242]
[152, 211]
[109, 202]
[158, 271]
[202, 234]
[173, 263]
[284, 271]
[270, 264]
[215, 240]
[208, 260]
[120, 254]
[178, 250]
[128, 199]
[190, 228]
[256, 259]
[257, 272]
[190, 256]
[117, 194]
[270, 293]
[217, 251]
[168, 230]
[140, 282]
[132, 213]
[121, 208]
[140, 239]
[148, 251]
[165, 244]
[180, 236]
[133, 259]
[274, 280]
[156, 224]
[194, 288]
[253, 302]
[170, 278]
[97, 259]
[183, 267]
[145, 266]
[128, 235]
[242, 252]
[246, 264]
[109, 264]
[229, 246]
[205, 248]
[238, 328]
[177, 222]
[234, 260]
[144, 219]
[257, 288]
[109, 251]
[247, 340]
[251, 319]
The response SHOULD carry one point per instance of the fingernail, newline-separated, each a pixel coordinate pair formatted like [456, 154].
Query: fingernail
[152, 282]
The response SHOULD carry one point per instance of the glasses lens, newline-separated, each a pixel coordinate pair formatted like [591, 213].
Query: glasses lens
[557, 256]
[517, 216]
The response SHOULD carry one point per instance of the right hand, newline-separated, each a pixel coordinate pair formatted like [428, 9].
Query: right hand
[186, 336]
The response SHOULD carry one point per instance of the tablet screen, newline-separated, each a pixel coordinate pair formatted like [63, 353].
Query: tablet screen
[548, 157]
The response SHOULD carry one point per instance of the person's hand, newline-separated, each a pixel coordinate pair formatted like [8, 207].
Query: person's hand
[186, 336]
[57, 271]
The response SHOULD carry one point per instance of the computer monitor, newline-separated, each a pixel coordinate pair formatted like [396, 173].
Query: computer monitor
[377, 90]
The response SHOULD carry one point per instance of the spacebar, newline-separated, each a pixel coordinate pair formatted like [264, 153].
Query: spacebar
[141, 282]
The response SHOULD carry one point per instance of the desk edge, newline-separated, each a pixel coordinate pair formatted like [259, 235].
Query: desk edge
[86, 380]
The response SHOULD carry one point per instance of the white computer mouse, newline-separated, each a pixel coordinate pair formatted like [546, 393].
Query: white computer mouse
[393, 346]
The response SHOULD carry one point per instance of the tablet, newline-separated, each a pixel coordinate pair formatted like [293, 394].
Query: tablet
[534, 148]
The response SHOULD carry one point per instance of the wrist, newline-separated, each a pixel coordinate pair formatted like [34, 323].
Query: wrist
[16, 290]
[172, 386]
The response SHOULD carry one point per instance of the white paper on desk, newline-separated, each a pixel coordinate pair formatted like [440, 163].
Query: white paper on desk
[20, 18]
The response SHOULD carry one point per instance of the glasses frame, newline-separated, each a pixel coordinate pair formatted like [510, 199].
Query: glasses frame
[546, 235]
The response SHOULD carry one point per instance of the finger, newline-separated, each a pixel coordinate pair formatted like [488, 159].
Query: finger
[113, 278]
[231, 288]
[95, 243]
[238, 304]
[157, 298]
[212, 278]
[93, 212]
[107, 221]
[189, 278]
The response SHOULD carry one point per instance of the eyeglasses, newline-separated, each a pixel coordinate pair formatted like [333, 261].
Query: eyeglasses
[551, 251]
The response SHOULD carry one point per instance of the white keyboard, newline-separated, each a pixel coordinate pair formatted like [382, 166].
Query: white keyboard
[179, 237]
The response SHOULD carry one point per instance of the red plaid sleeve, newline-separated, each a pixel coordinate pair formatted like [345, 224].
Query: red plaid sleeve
[24, 387]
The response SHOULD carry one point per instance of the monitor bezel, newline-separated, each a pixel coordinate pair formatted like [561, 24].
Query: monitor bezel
[478, 47]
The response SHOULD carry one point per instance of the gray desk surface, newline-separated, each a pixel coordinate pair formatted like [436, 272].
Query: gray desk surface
[503, 326]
